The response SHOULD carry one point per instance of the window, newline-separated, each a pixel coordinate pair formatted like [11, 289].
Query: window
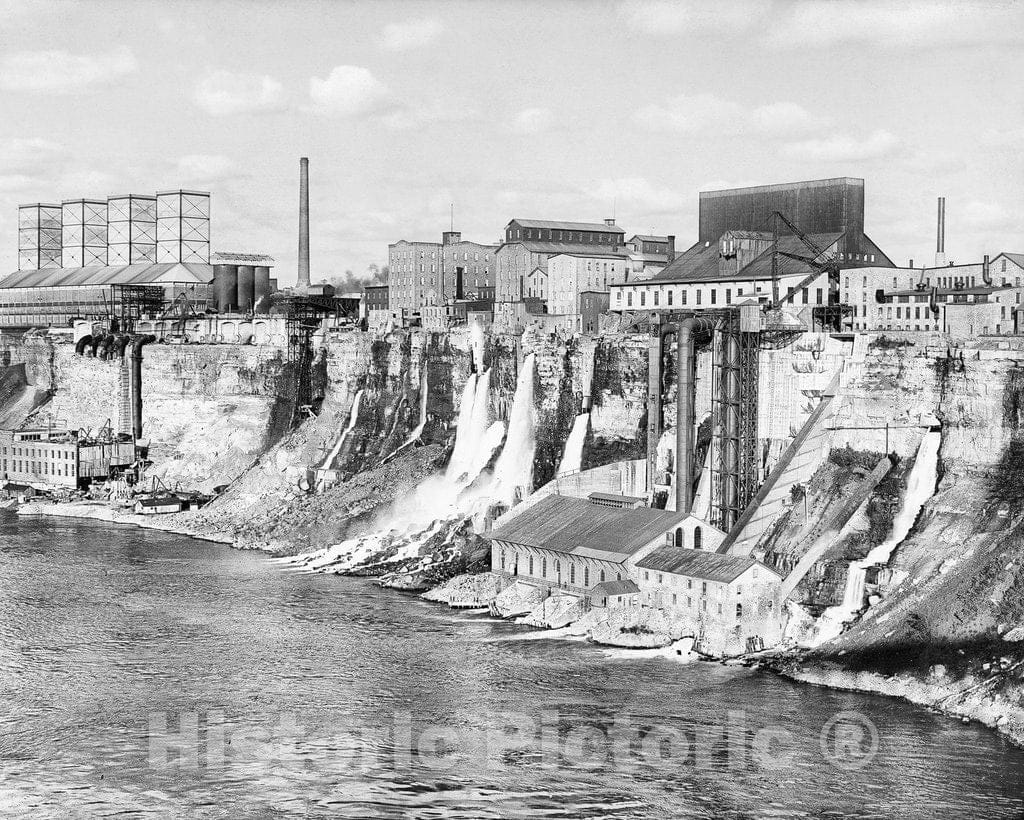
[655, 297]
[689, 583]
[503, 559]
[728, 296]
[697, 538]
[543, 567]
[586, 577]
[703, 587]
[642, 298]
[698, 296]
[714, 295]
[670, 297]
[602, 576]
[531, 565]
[739, 589]
[739, 611]
[674, 599]
[661, 578]
[647, 575]
[682, 299]
[558, 569]
[572, 573]
[805, 295]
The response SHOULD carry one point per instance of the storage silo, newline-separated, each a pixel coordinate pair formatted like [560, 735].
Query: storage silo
[246, 287]
[263, 289]
[225, 287]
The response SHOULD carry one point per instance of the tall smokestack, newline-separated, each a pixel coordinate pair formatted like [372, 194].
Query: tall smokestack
[303, 280]
[940, 236]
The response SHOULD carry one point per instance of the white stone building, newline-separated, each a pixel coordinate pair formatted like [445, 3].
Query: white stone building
[570, 274]
[733, 602]
[573, 544]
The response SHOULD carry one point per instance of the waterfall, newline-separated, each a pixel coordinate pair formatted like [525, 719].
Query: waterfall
[920, 487]
[572, 455]
[476, 340]
[462, 425]
[434, 511]
[414, 436]
[513, 474]
[352, 417]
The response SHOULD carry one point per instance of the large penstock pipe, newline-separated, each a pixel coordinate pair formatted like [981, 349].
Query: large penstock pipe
[303, 279]
[82, 344]
[96, 340]
[103, 349]
[685, 390]
[986, 271]
[136, 381]
[121, 344]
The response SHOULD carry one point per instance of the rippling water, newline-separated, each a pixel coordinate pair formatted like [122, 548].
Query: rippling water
[143, 673]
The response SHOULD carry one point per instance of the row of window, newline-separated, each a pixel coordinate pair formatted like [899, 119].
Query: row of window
[562, 236]
[39, 452]
[804, 296]
[531, 565]
[38, 467]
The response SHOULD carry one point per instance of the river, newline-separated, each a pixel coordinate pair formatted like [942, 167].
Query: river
[144, 673]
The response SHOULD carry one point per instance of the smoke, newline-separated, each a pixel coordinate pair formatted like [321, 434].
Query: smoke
[374, 275]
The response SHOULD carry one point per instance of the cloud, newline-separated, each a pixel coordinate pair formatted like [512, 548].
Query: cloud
[224, 93]
[58, 72]
[666, 18]
[532, 121]
[705, 112]
[845, 148]
[409, 34]
[30, 156]
[911, 24]
[350, 91]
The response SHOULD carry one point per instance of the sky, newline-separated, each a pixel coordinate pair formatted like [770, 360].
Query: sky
[546, 110]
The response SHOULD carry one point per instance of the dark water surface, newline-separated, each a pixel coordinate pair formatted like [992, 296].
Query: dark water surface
[144, 673]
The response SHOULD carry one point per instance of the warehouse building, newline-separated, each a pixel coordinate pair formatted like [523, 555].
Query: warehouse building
[436, 273]
[530, 243]
[124, 257]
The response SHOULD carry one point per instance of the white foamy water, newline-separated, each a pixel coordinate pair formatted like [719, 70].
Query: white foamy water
[572, 455]
[440, 505]
[513, 474]
[920, 487]
[353, 417]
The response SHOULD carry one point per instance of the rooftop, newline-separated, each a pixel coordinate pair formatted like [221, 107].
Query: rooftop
[575, 526]
[555, 248]
[626, 587]
[221, 256]
[785, 186]
[648, 238]
[591, 227]
[142, 274]
[708, 566]
[699, 263]
[580, 255]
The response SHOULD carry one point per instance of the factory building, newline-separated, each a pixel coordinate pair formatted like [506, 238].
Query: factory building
[569, 274]
[739, 237]
[962, 300]
[530, 243]
[123, 257]
[437, 273]
[62, 457]
[649, 254]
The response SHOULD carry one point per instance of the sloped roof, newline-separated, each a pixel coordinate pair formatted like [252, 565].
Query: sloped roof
[557, 247]
[709, 566]
[575, 526]
[582, 255]
[648, 238]
[699, 263]
[591, 227]
[222, 256]
[607, 588]
[143, 274]
[1016, 258]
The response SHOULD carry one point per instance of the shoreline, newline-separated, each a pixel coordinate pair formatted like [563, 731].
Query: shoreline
[101, 511]
[956, 701]
[962, 700]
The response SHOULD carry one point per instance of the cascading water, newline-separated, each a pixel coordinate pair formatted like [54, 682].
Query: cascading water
[476, 341]
[920, 487]
[441, 505]
[418, 431]
[513, 474]
[572, 455]
[353, 416]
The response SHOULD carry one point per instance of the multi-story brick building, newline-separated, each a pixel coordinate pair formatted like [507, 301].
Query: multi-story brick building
[649, 255]
[435, 273]
[530, 243]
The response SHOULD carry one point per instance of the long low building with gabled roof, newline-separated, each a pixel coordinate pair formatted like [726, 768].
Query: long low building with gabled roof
[573, 544]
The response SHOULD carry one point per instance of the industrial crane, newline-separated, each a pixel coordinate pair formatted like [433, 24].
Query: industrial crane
[817, 261]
